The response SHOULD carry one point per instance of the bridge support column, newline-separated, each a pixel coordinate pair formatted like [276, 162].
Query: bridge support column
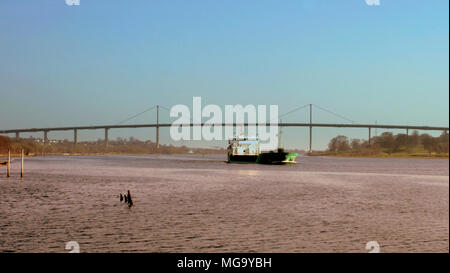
[310, 139]
[407, 139]
[46, 137]
[17, 135]
[157, 127]
[8, 171]
[45, 142]
[310, 128]
[157, 137]
[370, 135]
[75, 136]
[106, 138]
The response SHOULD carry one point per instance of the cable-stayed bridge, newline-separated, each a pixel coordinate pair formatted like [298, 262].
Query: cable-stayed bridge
[349, 124]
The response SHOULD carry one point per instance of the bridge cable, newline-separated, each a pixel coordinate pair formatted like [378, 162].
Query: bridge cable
[333, 113]
[165, 108]
[127, 119]
[292, 111]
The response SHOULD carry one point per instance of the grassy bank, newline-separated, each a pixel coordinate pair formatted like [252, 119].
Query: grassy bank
[412, 154]
[389, 145]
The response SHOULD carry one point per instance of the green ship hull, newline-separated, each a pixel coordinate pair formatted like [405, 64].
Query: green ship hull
[279, 157]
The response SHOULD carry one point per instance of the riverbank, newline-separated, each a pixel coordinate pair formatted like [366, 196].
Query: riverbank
[13, 155]
[131, 146]
[381, 155]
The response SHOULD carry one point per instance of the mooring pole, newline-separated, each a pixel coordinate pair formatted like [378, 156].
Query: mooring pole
[310, 128]
[157, 126]
[21, 165]
[8, 169]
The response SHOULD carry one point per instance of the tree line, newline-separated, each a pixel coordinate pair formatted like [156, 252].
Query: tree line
[131, 145]
[389, 143]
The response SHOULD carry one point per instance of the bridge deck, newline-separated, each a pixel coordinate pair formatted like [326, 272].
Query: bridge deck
[97, 127]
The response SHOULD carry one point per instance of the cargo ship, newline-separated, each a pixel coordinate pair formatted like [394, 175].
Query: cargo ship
[243, 149]
[246, 150]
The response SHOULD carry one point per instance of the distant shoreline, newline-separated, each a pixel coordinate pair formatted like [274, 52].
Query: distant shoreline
[107, 153]
[317, 153]
[394, 155]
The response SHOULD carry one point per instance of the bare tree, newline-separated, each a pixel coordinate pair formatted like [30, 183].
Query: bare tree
[356, 145]
[429, 143]
[339, 144]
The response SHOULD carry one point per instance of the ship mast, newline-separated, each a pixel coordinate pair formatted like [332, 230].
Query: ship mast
[279, 137]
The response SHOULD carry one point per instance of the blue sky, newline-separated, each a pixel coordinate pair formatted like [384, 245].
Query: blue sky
[103, 61]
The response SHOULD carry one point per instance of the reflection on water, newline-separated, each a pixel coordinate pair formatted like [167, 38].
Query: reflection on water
[202, 204]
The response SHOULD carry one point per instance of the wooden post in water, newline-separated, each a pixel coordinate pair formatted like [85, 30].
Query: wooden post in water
[21, 165]
[129, 200]
[8, 169]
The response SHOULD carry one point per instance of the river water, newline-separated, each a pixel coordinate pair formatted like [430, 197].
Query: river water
[193, 203]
